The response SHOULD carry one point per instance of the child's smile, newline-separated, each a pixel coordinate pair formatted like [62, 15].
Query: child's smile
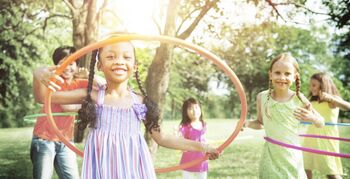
[282, 74]
[117, 61]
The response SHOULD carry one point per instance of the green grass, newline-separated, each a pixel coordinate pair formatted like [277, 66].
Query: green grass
[239, 160]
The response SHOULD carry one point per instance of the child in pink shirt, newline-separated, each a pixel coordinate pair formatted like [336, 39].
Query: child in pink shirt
[193, 127]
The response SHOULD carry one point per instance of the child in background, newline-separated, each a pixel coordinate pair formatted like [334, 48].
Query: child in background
[46, 150]
[115, 146]
[193, 127]
[325, 98]
[279, 112]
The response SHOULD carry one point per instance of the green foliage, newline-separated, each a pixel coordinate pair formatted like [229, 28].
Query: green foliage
[252, 48]
[23, 46]
[190, 76]
[339, 13]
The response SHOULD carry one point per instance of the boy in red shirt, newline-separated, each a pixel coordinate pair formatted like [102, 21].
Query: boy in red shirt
[46, 149]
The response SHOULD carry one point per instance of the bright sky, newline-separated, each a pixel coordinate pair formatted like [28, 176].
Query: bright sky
[136, 15]
[133, 16]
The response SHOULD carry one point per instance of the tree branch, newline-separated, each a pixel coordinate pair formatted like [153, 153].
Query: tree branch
[273, 5]
[208, 5]
[53, 16]
[184, 19]
[297, 5]
[100, 11]
[70, 5]
[157, 24]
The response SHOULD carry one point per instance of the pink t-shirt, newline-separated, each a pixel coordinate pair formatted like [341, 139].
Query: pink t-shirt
[191, 133]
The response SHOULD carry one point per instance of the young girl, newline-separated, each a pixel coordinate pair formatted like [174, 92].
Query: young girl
[115, 146]
[46, 150]
[325, 98]
[280, 110]
[193, 127]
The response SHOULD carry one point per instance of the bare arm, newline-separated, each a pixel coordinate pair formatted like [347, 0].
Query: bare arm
[178, 143]
[41, 81]
[69, 97]
[335, 101]
[41, 77]
[309, 114]
[258, 123]
[71, 107]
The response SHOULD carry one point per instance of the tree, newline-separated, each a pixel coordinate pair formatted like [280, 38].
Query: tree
[158, 73]
[25, 40]
[340, 16]
[251, 49]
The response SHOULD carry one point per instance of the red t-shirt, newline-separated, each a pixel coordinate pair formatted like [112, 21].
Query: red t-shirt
[65, 124]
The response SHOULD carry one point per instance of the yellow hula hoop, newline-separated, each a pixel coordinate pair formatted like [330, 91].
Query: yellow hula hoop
[164, 39]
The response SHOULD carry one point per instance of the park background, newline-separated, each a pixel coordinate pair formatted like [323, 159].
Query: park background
[246, 34]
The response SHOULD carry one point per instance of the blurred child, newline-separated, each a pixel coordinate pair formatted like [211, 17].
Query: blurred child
[279, 112]
[193, 127]
[47, 152]
[325, 98]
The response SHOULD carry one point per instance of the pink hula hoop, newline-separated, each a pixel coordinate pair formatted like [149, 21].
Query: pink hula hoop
[321, 152]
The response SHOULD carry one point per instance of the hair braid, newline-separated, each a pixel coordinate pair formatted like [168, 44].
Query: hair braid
[87, 113]
[297, 91]
[267, 111]
[153, 113]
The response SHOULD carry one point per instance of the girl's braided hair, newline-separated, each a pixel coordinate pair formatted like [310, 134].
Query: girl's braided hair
[87, 113]
[290, 58]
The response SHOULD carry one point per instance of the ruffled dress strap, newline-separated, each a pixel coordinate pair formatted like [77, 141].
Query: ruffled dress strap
[139, 108]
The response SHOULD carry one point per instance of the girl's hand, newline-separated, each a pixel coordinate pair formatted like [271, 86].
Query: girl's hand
[303, 114]
[213, 152]
[325, 96]
[45, 75]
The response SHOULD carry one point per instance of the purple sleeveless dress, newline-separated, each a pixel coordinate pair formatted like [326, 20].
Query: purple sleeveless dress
[116, 148]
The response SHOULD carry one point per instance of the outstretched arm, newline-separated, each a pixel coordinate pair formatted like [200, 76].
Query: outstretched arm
[180, 143]
[335, 101]
[41, 81]
[256, 124]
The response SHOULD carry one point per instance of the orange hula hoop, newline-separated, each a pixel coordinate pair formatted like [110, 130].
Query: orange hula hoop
[164, 39]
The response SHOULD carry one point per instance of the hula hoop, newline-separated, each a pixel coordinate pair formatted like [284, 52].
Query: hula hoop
[329, 124]
[164, 39]
[32, 117]
[325, 137]
[315, 151]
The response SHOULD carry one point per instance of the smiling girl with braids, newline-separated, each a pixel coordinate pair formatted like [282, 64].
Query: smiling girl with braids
[279, 112]
[115, 146]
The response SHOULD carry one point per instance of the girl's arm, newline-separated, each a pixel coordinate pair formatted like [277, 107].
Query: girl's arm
[335, 101]
[309, 114]
[179, 143]
[41, 78]
[69, 97]
[71, 107]
[256, 124]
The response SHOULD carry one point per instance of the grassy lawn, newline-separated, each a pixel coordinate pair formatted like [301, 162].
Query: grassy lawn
[239, 160]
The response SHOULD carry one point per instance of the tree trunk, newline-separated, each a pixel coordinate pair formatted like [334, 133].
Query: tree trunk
[158, 73]
[85, 27]
[157, 81]
[85, 32]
